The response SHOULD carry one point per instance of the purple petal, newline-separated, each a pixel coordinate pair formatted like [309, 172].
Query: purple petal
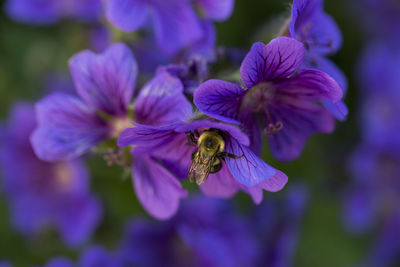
[34, 11]
[312, 26]
[78, 218]
[302, 12]
[249, 169]
[252, 128]
[176, 24]
[233, 130]
[338, 109]
[324, 36]
[127, 15]
[67, 128]
[204, 48]
[278, 59]
[358, 213]
[146, 135]
[105, 81]
[300, 119]
[161, 101]
[222, 184]
[98, 256]
[84, 10]
[273, 184]
[216, 10]
[219, 99]
[310, 85]
[323, 64]
[156, 188]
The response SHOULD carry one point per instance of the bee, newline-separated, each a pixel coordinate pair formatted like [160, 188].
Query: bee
[208, 155]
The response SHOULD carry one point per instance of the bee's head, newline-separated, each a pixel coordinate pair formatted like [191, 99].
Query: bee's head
[211, 141]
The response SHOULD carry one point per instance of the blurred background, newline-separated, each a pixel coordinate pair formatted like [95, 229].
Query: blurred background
[33, 60]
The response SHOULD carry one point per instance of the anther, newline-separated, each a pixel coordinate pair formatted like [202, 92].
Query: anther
[114, 157]
[273, 128]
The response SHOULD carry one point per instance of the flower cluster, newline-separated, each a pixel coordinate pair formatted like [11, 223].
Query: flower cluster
[156, 102]
[207, 232]
[371, 200]
[218, 146]
[43, 194]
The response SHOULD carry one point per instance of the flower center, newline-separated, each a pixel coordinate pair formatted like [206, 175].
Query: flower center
[257, 100]
[64, 176]
[118, 125]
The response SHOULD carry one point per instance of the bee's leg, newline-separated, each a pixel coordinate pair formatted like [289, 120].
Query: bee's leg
[226, 154]
[196, 133]
[216, 168]
[191, 139]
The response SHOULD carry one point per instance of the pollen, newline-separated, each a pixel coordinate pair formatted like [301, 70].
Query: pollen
[64, 177]
[118, 125]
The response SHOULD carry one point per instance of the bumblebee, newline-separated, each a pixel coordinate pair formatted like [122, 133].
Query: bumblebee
[207, 158]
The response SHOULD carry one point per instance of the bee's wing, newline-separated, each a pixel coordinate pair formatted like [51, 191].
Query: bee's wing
[200, 168]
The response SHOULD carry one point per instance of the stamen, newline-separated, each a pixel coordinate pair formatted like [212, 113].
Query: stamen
[114, 156]
[273, 127]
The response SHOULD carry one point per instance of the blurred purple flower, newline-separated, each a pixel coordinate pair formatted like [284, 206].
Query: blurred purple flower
[69, 126]
[385, 251]
[41, 193]
[379, 18]
[321, 36]
[379, 77]
[374, 194]
[95, 256]
[209, 232]
[191, 73]
[205, 232]
[176, 24]
[279, 97]
[44, 12]
[277, 223]
[5, 264]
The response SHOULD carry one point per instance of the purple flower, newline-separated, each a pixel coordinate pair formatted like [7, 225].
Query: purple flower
[277, 224]
[210, 232]
[5, 264]
[375, 190]
[93, 257]
[99, 256]
[321, 36]
[69, 126]
[41, 193]
[385, 251]
[205, 232]
[380, 79]
[176, 24]
[51, 11]
[279, 99]
[379, 18]
[169, 144]
[191, 74]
